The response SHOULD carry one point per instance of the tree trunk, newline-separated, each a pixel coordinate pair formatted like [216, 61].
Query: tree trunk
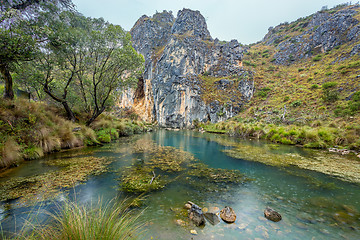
[94, 116]
[8, 92]
[69, 112]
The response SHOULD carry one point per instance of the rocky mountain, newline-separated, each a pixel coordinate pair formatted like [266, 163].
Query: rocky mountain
[316, 34]
[180, 57]
[189, 76]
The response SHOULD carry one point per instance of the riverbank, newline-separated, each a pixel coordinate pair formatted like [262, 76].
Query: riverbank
[317, 134]
[29, 130]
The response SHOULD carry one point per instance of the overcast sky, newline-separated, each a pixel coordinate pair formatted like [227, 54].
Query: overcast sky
[244, 20]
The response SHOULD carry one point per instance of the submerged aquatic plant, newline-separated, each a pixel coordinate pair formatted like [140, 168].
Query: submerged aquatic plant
[165, 165]
[49, 184]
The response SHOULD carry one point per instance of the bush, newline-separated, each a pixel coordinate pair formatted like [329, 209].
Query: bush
[330, 93]
[314, 86]
[263, 92]
[296, 103]
[317, 58]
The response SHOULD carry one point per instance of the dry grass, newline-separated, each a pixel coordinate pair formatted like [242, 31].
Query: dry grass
[10, 153]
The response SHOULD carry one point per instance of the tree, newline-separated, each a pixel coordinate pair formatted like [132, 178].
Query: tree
[113, 65]
[16, 45]
[18, 38]
[84, 61]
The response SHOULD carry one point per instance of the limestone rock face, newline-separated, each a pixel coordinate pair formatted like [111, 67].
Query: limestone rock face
[320, 32]
[177, 51]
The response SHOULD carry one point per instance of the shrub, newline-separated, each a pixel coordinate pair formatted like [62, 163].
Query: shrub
[296, 103]
[328, 73]
[317, 58]
[330, 93]
[314, 86]
[263, 92]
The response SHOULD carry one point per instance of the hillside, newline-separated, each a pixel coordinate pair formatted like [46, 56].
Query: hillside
[311, 66]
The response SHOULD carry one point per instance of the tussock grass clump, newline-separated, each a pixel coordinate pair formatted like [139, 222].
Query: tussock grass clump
[316, 134]
[10, 153]
[104, 221]
[73, 221]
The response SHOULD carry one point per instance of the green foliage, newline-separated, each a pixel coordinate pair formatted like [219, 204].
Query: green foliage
[263, 92]
[330, 93]
[248, 63]
[317, 58]
[296, 103]
[314, 86]
[33, 152]
[301, 69]
[328, 73]
[97, 221]
[351, 108]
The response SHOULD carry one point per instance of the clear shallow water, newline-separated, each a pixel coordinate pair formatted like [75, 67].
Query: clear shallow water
[309, 210]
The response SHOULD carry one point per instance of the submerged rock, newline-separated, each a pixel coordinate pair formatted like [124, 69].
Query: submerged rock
[212, 218]
[272, 215]
[196, 215]
[187, 206]
[228, 215]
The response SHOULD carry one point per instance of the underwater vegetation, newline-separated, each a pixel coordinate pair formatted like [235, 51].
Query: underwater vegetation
[67, 173]
[164, 165]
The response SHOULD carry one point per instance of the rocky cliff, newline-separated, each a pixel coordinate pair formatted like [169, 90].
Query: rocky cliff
[191, 76]
[187, 72]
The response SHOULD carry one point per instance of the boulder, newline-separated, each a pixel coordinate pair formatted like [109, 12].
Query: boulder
[228, 215]
[187, 206]
[196, 215]
[212, 218]
[272, 215]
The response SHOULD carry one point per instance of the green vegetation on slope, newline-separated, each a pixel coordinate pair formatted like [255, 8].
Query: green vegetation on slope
[28, 130]
[313, 101]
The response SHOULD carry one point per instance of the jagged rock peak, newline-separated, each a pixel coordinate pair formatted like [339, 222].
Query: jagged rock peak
[191, 22]
[149, 33]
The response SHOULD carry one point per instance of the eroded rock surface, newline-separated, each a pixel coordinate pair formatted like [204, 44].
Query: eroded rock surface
[178, 51]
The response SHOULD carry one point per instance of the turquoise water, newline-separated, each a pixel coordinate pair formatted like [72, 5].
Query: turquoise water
[310, 210]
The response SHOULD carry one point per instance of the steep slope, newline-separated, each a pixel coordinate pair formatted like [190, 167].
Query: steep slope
[181, 58]
[310, 67]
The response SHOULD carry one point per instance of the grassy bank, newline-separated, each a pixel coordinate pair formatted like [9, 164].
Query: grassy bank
[28, 130]
[316, 134]
[74, 221]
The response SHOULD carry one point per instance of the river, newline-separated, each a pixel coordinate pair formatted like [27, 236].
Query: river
[313, 205]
